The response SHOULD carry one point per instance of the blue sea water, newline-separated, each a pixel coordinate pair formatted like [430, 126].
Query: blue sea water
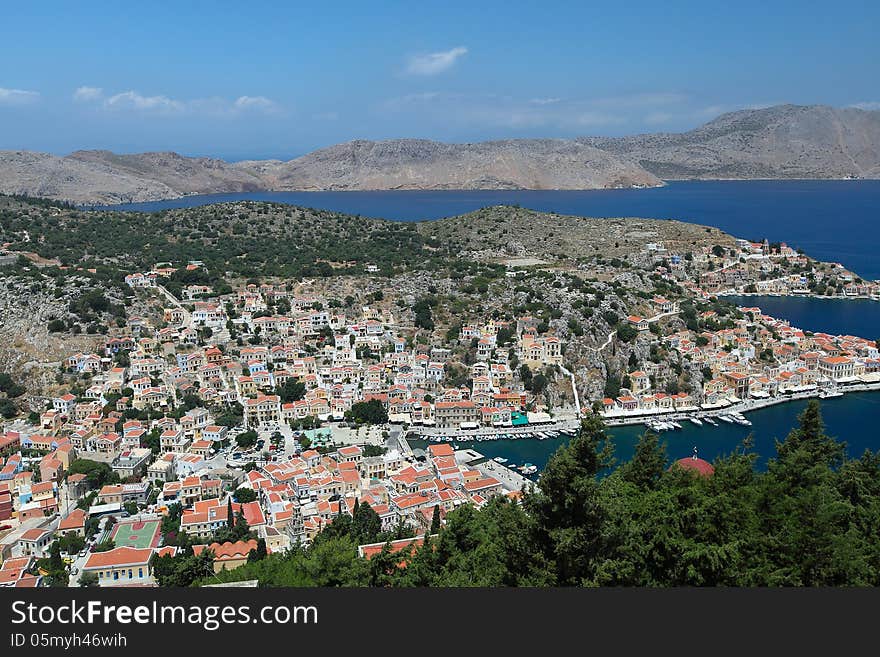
[833, 220]
[852, 418]
[860, 317]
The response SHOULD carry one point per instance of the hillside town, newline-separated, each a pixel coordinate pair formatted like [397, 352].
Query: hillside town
[249, 419]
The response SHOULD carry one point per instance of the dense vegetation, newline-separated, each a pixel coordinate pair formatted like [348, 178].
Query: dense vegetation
[811, 519]
[244, 238]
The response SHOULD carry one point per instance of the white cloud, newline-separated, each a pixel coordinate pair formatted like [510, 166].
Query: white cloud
[88, 94]
[254, 103]
[134, 101]
[17, 96]
[435, 62]
[869, 105]
[545, 101]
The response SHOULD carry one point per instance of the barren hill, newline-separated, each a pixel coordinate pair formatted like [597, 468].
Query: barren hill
[423, 164]
[785, 141]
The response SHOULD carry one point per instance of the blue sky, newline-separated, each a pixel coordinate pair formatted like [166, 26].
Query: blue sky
[277, 79]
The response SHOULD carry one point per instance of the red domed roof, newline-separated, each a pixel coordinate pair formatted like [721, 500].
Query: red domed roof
[697, 465]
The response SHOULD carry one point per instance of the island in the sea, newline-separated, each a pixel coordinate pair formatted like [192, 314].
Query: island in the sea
[780, 142]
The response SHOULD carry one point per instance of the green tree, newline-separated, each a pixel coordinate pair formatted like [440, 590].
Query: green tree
[246, 439]
[370, 412]
[435, 520]
[647, 464]
[365, 524]
[243, 495]
[259, 553]
[291, 390]
[88, 579]
[567, 507]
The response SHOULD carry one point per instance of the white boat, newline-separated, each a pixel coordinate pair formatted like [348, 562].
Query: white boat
[829, 394]
[695, 421]
[711, 421]
[675, 425]
[739, 418]
[726, 418]
[500, 459]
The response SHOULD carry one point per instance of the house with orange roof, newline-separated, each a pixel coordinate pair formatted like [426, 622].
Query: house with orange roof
[404, 547]
[122, 566]
[229, 555]
[74, 523]
[837, 368]
[34, 542]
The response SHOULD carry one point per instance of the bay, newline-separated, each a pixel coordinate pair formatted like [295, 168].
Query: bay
[852, 418]
[859, 317]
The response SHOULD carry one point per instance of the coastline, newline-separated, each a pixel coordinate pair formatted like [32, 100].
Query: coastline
[736, 407]
[809, 295]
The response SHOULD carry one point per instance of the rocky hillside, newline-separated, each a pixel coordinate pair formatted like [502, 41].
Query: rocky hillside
[786, 141]
[106, 178]
[503, 231]
[103, 177]
[423, 164]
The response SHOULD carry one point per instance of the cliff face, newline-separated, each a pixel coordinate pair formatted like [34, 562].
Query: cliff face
[786, 141]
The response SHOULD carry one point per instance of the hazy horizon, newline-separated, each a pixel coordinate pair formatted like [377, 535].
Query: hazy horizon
[263, 81]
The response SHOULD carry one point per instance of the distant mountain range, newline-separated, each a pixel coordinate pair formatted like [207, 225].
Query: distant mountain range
[785, 141]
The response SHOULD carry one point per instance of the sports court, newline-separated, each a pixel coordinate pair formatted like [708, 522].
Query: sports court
[137, 534]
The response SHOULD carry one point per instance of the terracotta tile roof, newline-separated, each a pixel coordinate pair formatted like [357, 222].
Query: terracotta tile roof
[117, 557]
[229, 550]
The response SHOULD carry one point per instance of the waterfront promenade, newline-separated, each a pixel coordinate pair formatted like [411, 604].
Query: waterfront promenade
[743, 406]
